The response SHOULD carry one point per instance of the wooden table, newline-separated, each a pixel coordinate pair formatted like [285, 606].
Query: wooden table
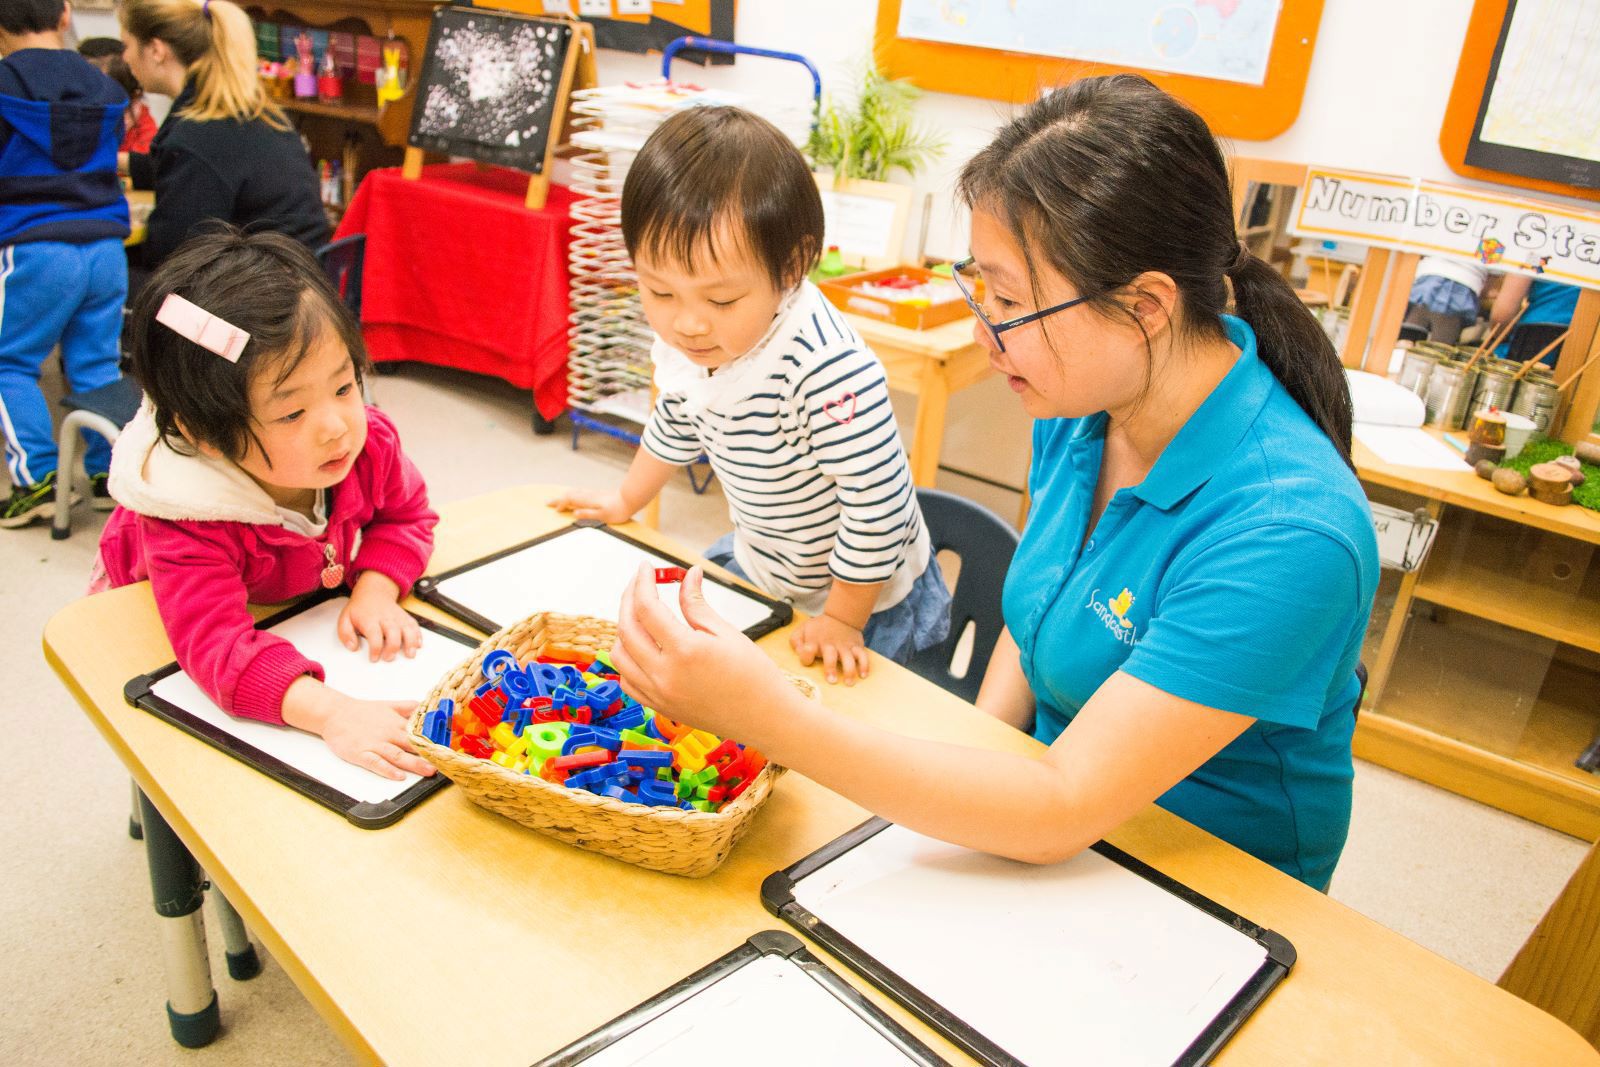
[1514, 576]
[930, 364]
[454, 936]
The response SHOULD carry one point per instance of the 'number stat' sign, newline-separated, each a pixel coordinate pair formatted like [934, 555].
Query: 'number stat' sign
[1505, 233]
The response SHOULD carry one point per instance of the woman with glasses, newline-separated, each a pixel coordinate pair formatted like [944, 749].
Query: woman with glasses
[1185, 612]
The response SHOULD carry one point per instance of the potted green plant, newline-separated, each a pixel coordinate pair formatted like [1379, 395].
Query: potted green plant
[875, 135]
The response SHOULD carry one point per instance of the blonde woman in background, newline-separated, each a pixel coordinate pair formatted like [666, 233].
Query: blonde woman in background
[225, 151]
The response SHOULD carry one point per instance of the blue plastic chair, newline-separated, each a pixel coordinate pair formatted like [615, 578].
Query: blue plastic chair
[984, 544]
[343, 261]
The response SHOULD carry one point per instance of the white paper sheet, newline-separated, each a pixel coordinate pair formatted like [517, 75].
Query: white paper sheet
[312, 632]
[579, 573]
[1409, 447]
[770, 1005]
[1079, 962]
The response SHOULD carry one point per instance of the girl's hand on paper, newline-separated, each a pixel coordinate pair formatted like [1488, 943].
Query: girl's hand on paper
[374, 612]
[371, 734]
[706, 672]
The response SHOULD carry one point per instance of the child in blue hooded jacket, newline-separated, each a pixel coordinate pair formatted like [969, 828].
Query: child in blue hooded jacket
[63, 274]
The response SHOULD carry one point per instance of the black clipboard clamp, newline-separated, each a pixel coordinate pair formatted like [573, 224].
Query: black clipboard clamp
[757, 946]
[368, 815]
[778, 896]
[779, 614]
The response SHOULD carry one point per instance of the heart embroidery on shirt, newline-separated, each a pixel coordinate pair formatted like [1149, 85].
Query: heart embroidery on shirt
[841, 416]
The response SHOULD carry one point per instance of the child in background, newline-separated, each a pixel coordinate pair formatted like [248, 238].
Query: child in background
[1551, 306]
[758, 371]
[137, 125]
[254, 473]
[1444, 298]
[63, 275]
[225, 151]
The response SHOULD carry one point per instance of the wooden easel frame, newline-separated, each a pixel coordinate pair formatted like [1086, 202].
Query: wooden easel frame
[578, 71]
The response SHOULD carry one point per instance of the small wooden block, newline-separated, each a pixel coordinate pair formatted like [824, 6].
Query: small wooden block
[1557, 496]
[1550, 479]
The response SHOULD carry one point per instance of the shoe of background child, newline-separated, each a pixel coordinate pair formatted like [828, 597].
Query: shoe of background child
[100, 494]
[30, 502]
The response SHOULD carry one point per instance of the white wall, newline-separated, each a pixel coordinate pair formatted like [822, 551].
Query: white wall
[1375, 96]
[1374, 100]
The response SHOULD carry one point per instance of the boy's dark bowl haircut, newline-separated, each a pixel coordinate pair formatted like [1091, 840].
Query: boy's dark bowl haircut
[31, 16]
[707, 167]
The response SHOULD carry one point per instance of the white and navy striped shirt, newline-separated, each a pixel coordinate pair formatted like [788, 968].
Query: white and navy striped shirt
[802, 436]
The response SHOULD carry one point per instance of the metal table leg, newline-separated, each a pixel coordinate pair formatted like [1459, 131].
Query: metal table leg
[179, 892]
[243, 963]
[135, 830]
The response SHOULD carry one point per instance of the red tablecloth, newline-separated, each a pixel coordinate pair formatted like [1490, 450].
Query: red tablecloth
[460, 274]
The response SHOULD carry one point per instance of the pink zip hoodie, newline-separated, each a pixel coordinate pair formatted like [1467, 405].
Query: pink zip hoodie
[210, 540]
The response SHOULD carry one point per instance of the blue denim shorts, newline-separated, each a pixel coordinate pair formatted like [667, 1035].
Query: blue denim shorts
[921, 620]
[1443, 296]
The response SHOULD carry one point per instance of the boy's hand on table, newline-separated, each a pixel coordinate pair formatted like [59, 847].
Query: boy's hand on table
[371, 734]
[374, 612]
[605, 506]
[839, 646]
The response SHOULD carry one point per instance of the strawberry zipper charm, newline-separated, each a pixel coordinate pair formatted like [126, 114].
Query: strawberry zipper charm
[332, 570]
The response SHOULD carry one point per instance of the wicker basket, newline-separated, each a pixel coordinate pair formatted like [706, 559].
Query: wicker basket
[688, 843]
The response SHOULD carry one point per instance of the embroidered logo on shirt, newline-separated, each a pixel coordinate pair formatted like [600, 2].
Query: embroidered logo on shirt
[841, 415]
[1119, 607]
[1114, 614]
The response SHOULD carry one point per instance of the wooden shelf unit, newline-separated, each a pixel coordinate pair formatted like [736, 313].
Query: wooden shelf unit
[1486, 672]
[1494, 714]
[1529, 580]
[356, 131]
[370, 116]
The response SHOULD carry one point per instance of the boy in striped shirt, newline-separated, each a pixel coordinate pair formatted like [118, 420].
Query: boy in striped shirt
[755, 369]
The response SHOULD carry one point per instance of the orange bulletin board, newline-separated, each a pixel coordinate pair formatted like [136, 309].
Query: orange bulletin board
[1232, 109]
[1466, 101]
[629, 30]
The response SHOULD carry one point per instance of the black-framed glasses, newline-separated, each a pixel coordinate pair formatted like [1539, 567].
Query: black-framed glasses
[995, 329]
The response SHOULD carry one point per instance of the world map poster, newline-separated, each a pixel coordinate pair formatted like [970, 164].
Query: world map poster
[1229, 40]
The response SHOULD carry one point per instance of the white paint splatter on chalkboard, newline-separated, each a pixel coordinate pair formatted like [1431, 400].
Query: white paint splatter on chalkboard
[493, 82]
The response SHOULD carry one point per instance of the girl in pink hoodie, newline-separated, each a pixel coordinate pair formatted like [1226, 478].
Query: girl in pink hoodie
[254, 473]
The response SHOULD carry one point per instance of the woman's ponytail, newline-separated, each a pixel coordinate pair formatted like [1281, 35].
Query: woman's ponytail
[226, 83]
[1293, 346]
[215, 42]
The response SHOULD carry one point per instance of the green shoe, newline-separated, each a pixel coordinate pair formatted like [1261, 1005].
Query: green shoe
[100, 493]
[30, 502]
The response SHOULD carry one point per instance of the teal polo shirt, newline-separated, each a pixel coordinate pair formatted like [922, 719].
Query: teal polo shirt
[1239, 574]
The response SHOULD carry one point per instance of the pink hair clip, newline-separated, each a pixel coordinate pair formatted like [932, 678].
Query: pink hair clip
[203, 328]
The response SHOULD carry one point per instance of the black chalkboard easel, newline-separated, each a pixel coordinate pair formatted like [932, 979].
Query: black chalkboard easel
[496, 87]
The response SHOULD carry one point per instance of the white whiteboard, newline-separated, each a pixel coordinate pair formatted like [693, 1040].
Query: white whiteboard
[769, 1004]
[581, 572]
[312, 633]
[1079, 962]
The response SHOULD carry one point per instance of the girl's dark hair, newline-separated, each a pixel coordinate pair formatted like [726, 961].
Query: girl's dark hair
[1111, 177]
[708, 166]
[266, 284]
